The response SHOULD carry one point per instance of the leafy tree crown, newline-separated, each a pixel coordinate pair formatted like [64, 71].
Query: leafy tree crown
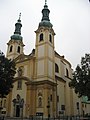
[81, 77]
[7, 72]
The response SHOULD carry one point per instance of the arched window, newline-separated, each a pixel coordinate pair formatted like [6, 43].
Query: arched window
[18, 50]
[4, 104]
[67, 73]
[50, 38]
[1, 103]
[41, 37]
[19, 84]
[57, 98]
[11, 48]
[56, 68]
[51, 98]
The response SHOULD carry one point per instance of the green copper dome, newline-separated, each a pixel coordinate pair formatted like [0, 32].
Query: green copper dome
[45, 17]
[45, 24]
[17, 33]
[16, 37]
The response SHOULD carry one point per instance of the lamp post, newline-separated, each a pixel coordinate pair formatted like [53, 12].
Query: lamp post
[48, 107]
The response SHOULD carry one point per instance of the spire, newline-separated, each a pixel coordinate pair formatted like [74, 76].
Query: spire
[18, 26]
[17, 33]
[45, 21]
[19, 16]
[45, 12]
[45, 2]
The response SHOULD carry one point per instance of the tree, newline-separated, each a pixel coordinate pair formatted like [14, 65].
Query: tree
[7, 72]
[81, 77]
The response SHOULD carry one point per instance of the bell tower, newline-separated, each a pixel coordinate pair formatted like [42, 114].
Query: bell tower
[45, 48]
[15, 44]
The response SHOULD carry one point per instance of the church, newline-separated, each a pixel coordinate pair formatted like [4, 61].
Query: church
[40, 86]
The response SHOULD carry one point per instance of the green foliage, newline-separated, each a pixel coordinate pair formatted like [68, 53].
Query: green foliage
[81, 77]
[7, 72]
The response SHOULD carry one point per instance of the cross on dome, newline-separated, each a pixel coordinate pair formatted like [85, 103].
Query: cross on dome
[19, 16]
[45, 2]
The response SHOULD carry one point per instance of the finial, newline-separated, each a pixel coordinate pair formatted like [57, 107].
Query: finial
[45, 2]
[19, 16]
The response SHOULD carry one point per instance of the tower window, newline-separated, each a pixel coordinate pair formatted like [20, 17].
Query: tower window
[18, 50]
[56, 68]
[41, 36]
[57, 98]
[51, 98]
[11, 48]
[50, 38]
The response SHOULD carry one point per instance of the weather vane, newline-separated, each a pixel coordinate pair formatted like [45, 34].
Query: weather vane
[45, 2]
[19, 16]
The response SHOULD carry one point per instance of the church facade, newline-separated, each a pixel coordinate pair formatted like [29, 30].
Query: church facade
[40, 85]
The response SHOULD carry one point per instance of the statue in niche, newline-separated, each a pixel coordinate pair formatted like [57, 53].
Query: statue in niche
[39, 102]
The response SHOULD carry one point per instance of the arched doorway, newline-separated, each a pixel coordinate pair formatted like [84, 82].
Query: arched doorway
[17, 111]
[18, 106]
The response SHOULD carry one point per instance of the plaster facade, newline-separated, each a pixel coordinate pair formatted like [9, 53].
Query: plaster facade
[42, 77]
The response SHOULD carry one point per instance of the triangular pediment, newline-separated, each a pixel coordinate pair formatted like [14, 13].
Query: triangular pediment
[21, 57]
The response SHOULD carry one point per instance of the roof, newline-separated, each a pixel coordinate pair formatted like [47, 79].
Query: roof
[62, 58]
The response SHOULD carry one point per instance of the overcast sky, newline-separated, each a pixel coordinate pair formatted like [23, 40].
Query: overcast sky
[70, 19]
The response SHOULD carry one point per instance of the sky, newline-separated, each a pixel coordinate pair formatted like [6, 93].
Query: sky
[70, 19]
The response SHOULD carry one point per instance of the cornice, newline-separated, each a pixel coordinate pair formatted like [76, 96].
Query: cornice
[15, 41]
[59, 79]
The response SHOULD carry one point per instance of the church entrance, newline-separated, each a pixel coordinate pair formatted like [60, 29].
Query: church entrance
[17, 111]
[18, 104]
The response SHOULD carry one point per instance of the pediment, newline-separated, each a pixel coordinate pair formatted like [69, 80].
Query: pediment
[21, 57]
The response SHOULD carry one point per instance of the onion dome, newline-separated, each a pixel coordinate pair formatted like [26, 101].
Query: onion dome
[17, 33]
[45, 22]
